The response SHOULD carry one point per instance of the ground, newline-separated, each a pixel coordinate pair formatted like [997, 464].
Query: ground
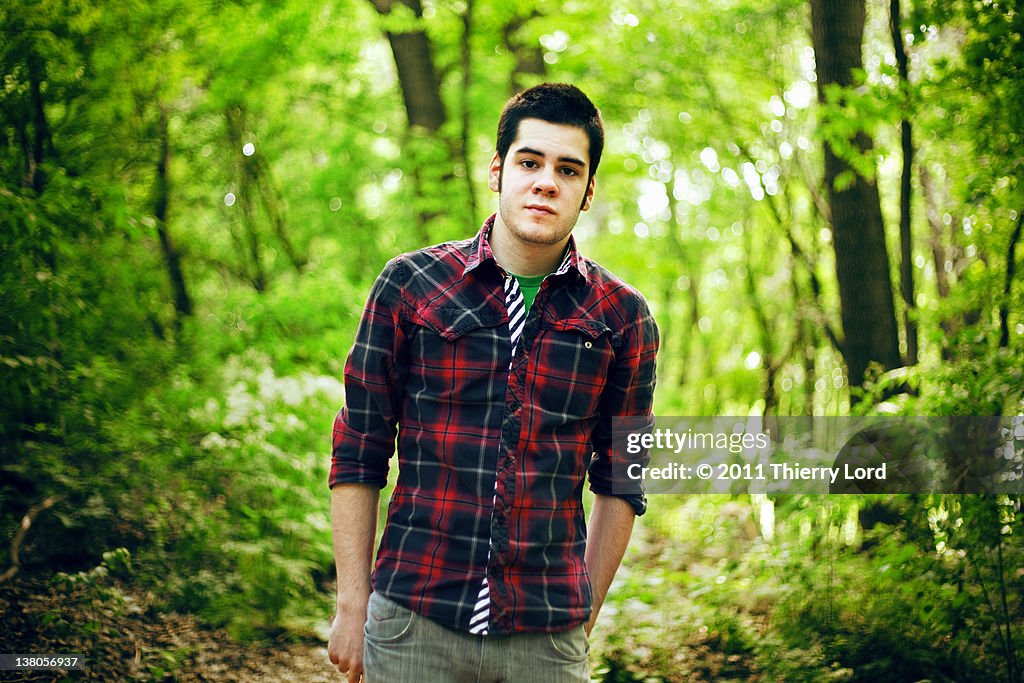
[139, 643]
[651, 631]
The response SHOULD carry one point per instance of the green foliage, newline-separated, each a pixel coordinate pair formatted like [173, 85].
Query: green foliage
[808, 588]
[251, 539]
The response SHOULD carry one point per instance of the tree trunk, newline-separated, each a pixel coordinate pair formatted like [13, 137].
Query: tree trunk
[172, 259]
[771, 362]
[38, 150]
[941, 256]
[467, 82]
[260, 170]
[862, 264]
[431, 155]
[246, 190]
[42, 143]
[421, 88]
[939, 253]
[1011, 269]
[907, 141]
[529, 56]
[686, 332]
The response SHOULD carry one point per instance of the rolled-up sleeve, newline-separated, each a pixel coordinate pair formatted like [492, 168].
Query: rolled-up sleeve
[626, 406]
[365, 428]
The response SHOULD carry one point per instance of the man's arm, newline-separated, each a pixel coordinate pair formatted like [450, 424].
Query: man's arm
[353, 527]
[625, 406]
[611, 524]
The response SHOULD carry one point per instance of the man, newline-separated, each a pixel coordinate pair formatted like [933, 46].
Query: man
[501, 363]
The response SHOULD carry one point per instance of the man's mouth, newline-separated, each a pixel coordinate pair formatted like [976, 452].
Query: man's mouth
[540, 208]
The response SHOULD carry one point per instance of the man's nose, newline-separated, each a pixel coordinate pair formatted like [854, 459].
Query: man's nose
[545, 183]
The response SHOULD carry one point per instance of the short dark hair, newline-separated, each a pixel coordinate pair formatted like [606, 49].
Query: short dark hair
[555, 103]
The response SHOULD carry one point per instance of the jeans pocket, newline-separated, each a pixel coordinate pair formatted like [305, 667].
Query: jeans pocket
[571, 645]
[386, 620]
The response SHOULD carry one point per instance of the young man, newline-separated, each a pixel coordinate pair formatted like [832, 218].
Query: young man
[501, 363]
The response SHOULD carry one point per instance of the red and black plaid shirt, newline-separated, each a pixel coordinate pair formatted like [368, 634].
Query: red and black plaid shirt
[491, 456]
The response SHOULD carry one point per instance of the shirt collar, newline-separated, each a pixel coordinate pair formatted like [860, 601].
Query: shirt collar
[481, 253]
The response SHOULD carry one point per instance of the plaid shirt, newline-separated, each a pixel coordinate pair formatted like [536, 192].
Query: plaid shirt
[491, 456]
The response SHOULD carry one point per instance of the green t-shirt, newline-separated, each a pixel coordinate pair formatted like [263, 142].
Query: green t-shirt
[529, 285]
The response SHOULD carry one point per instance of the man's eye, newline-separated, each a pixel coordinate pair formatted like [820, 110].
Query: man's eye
[528, 163]
[570, 171]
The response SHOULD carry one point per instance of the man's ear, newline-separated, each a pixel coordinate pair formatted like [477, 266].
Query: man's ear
[494, 174]
[590, 194]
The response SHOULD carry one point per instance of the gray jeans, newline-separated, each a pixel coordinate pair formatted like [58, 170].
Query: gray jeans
[403, 647]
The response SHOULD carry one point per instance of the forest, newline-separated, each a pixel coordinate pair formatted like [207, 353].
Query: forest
[820, 199]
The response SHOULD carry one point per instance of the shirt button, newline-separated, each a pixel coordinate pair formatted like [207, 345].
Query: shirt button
[588, 345]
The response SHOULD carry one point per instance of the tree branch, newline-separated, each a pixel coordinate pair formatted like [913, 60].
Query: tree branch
[19, 537]
[776, 213]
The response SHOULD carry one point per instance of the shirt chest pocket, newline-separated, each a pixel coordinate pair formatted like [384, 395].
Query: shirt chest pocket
[570, 366]
[457, 356]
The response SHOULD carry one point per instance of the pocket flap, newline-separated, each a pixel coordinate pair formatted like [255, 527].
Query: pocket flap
[452, 322]
[587, 326]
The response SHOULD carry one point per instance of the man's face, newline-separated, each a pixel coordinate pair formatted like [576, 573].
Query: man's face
[544, 184]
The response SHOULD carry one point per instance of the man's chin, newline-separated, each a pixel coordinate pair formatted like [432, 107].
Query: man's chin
[541, 236]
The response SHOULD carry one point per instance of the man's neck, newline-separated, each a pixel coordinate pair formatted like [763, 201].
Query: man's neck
[521, 258]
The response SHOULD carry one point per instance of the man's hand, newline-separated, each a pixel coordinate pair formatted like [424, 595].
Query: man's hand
[345, 646]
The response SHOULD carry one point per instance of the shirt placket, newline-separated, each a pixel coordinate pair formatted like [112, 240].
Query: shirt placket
[481, 614]
[494, 595]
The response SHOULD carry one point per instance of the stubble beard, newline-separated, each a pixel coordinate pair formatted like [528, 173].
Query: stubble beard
[546, 235]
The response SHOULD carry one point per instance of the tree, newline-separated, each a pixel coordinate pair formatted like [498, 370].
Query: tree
[862, 263]
[906, 176]
[432, 149]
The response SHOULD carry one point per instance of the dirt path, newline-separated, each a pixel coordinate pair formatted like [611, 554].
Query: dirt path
[297, 662]
[136, 642]
[126, 638]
